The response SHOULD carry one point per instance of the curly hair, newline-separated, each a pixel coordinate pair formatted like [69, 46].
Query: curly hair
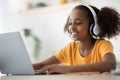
[108, 20]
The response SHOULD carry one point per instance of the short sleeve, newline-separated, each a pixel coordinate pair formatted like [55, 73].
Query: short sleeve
[60, 55]
[106, 47]
[63, 54]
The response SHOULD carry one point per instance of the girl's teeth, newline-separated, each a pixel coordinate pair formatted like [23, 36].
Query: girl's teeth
[74, 33]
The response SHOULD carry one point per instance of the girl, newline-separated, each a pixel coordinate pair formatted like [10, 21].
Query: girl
[89, 52]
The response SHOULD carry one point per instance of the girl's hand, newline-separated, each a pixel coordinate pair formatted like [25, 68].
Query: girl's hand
[55, 69]
[37, 66]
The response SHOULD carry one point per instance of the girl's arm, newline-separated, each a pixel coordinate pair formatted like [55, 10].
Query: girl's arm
[49, 61]
[108, 63]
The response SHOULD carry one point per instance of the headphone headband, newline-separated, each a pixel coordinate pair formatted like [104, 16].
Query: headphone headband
[96, 29]
[93, 12]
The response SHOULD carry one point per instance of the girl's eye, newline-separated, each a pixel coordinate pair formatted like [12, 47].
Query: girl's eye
[78, 23]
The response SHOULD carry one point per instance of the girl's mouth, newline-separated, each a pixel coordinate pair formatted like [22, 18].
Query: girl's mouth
[73, 34]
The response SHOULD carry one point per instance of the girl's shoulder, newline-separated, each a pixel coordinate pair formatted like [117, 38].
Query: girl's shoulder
[102, 41]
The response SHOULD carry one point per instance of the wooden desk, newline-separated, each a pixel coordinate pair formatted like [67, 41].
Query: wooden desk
[63, 77]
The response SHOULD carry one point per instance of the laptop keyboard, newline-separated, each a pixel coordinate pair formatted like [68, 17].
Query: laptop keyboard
[45, 73]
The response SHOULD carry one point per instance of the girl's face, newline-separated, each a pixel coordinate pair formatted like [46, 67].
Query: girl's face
[79, 25]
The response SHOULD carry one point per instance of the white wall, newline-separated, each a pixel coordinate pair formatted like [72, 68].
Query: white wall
[48, 27]
[1, 17]
[47, 2]
[50, 2]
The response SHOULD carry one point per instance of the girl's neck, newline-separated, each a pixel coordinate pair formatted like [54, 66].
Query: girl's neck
[87, 43]
[86, 46]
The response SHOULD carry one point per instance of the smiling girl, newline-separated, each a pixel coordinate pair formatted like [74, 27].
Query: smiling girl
[89, 51]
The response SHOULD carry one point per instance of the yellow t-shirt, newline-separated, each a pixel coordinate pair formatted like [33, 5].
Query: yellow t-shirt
[70, 54]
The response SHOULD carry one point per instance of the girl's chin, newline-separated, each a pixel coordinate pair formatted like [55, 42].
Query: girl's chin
[75, 39]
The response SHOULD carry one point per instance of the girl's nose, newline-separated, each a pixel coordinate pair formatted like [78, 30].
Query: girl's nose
[72, 27]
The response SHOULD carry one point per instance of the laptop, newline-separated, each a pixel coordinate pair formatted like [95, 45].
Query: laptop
[14, 58]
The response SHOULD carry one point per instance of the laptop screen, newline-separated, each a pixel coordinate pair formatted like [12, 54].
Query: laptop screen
[14, 58]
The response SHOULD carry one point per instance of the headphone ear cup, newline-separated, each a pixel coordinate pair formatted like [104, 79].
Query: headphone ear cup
[92, 29]
[96, 30]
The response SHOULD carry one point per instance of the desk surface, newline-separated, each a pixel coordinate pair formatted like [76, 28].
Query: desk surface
[63, 77]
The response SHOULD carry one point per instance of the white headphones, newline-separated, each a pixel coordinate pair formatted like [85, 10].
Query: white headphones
[94, 28]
